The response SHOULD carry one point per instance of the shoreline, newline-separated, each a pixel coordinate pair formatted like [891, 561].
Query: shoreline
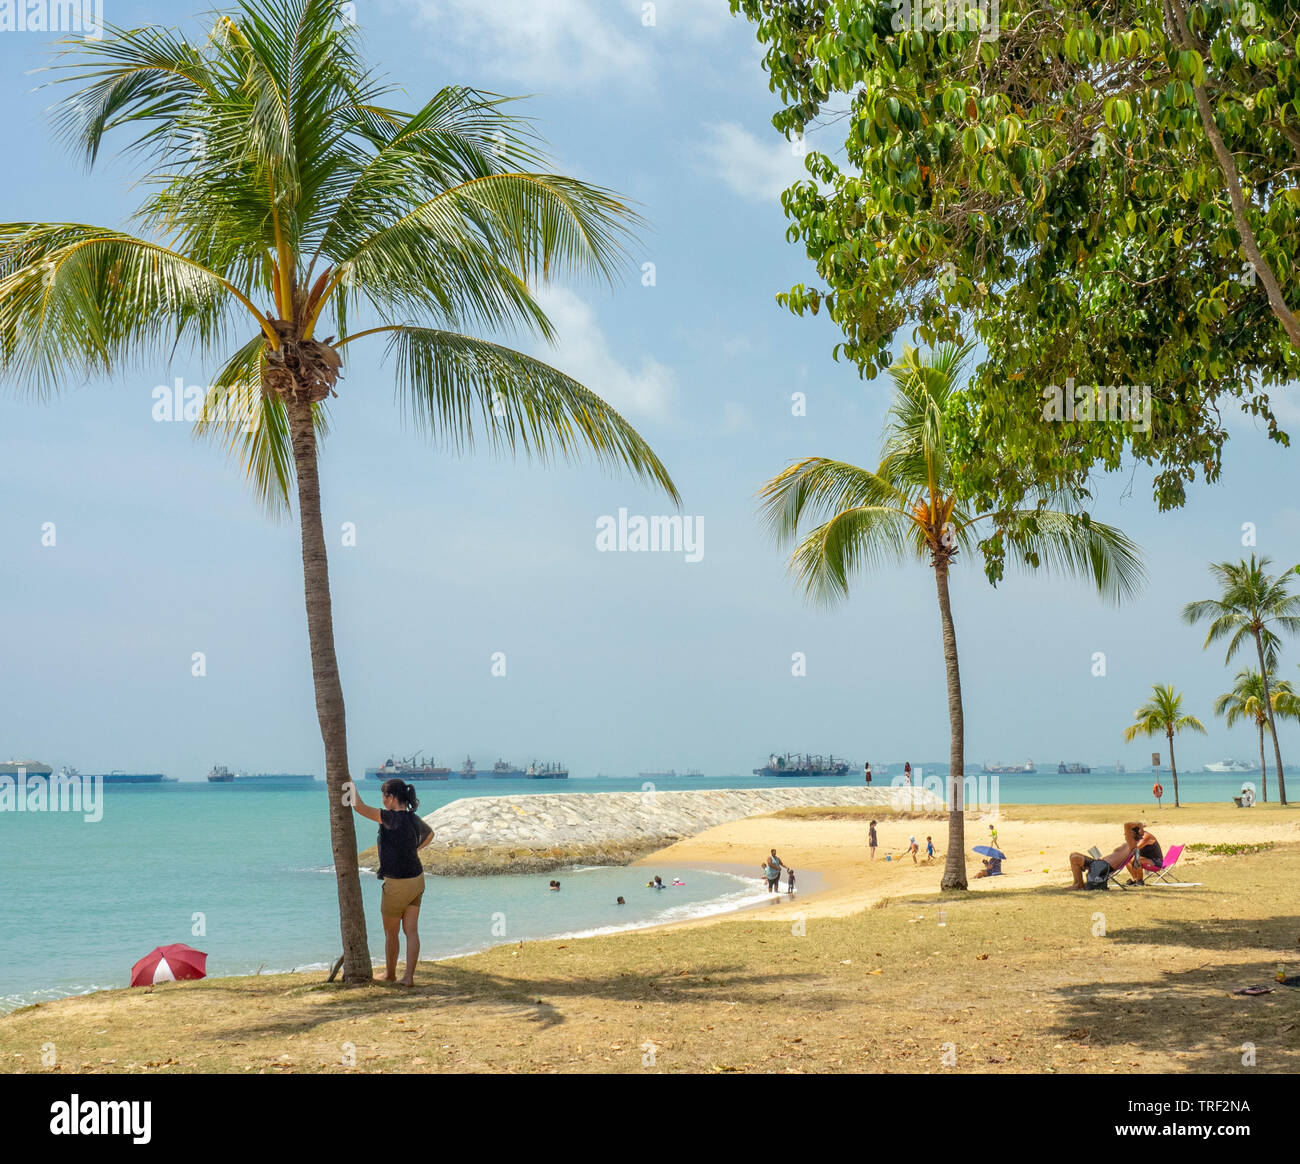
[1013, 977]
[838, 879]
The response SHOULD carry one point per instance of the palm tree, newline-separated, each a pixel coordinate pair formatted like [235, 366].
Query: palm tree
[1246, 701]
[1251, 603]
[910, 509]
[285, 195]
[1162, 714]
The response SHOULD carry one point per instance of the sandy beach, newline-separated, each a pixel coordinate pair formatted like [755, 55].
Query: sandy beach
[875, 972]
[1036, 838]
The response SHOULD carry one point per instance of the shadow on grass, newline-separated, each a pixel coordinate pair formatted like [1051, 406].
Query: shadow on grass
[537, 999]
[1243, 934]
[1189, 1017]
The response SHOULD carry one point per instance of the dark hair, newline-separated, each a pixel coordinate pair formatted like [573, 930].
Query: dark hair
[402, 791]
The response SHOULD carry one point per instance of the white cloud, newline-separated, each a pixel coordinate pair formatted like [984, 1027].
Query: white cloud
[735, 417]
[755, 169]
[573, 43]
[582, 352]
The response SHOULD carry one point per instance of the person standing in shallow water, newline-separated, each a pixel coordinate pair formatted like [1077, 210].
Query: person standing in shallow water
[401, 835]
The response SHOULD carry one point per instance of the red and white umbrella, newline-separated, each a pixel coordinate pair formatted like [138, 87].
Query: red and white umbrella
[172, 963]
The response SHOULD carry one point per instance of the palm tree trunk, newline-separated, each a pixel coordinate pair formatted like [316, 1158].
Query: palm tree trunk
[1263, 767]
[1272, 727]
[1173, 767]
[954, 869]
[329, 694]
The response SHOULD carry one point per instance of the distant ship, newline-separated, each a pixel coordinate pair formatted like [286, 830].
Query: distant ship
[1230, 766]
[546, 772]
[1026, 769]
[1121, 769]
[503, 771]
[797, 764]
[220, 774]
[1064, 769]
[31, 767]
[117, 776]
[467, 771]
[671, 774]
[408, 769]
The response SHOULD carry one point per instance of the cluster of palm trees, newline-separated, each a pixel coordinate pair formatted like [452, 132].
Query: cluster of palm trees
[1254, 608]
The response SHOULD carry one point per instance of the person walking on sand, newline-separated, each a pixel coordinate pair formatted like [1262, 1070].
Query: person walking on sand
[929, 848]
[871, 839]
[401, 835]
[866, 771]
[772, 868]
[913, 848]
[993, 836]
[907, 775]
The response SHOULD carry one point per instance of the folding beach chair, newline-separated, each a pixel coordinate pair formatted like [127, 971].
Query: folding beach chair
[1162, 876]
[1165, 874]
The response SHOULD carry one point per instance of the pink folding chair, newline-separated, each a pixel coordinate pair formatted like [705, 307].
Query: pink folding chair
[1165, 873]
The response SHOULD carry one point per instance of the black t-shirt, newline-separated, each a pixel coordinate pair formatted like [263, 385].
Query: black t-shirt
[400, 834]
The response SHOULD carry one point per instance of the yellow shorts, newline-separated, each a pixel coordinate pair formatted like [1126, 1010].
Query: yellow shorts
[399, 894]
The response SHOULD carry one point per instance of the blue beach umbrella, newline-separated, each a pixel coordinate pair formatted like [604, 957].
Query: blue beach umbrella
[990, 851]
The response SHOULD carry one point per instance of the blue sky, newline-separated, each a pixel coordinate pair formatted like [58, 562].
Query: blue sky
[615, 662]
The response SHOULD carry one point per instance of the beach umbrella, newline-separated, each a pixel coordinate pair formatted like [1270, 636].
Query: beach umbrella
[172, 963]
[990, 851]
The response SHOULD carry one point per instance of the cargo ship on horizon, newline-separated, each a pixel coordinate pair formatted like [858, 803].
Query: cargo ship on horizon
[503, 771]
[798, 764]
[1025, 769]
[220, 774]
[546, 772]
[409, 768]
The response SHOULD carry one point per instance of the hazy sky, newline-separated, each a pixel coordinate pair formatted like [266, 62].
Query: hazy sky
[614, 662]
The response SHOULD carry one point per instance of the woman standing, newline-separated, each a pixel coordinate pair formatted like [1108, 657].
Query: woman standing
[401, 835]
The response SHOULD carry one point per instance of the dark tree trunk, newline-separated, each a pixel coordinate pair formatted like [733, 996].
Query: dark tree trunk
[1272, 727]
[1173, 767]
[1263, 767]
[329, 693]
[954, 869]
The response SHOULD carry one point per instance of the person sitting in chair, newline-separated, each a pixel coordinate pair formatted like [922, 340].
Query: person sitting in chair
[1147, 852]
[1079, 862]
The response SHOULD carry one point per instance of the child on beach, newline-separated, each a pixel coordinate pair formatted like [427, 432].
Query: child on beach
[871, 839]
[789, 879]
[929, 848]
[993, 836]
[913, 848]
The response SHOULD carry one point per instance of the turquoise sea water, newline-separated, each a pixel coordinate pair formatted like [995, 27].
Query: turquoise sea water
[244, 873]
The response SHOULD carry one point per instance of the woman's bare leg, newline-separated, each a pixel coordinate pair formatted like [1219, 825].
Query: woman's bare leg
[392, 933]
[410, 926]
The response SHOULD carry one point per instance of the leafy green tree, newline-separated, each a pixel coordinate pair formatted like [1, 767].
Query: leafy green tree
[910, 509]
[1246, 702]
[285, 197]
[1162, 714]
[1103, 193]
[1251, 603]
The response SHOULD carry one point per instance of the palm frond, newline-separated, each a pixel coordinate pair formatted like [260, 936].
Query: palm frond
[461, 389]
[1069, 546]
